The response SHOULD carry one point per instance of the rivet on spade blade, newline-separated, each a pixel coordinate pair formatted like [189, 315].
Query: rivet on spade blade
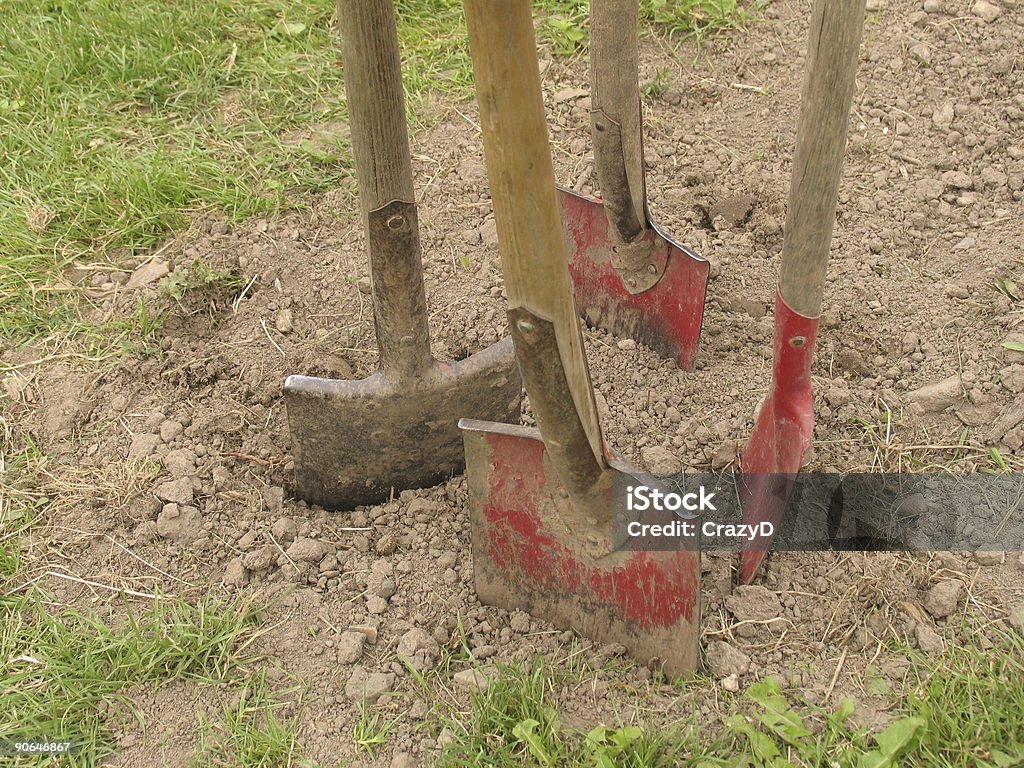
[798, 341]
[525, 326]
[652, 269]
[396, 221]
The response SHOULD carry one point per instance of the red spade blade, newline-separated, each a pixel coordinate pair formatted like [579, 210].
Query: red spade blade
[781, 441]
[527, 556]
[666, 317]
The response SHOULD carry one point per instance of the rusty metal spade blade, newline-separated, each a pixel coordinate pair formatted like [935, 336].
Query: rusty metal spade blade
[663, 308]
[630, 278]
[526, 558]
[542, 501]
[357, 442]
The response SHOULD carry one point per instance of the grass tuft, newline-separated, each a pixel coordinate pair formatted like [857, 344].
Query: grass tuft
[250, 733]
[515, 722]
[64, 670]
[699, 18]
[564, 23]
[973, 702]
[966, 710]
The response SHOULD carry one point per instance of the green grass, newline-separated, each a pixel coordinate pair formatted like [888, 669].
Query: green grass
[963, 710]
[21, 499]
[61, 668]
[250, 733]
[120, 120]
[564, 22]
[66, 673]
[697, 17]
[371, 729]
[515, 722]
[973, 703]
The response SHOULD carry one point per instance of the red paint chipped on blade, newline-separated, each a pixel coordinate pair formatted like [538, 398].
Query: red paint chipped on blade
[650, 590]
[666, 317]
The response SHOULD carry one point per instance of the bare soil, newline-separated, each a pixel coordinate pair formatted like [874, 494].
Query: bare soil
[174, 467]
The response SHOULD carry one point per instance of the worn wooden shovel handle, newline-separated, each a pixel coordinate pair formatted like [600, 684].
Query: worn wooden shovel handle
[376, 102]
[380, 148]
[616, 122]
[825, 99]
[531, 237]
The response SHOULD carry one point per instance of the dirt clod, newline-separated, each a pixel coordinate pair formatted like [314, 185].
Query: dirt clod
[473, 679]
[419, 649]
[170, 430]
[180, 463]
[938, 395]
[349, 646]
[1012, 377]
[753, 603]
[928, 640]
[273, 497]
[724, 660]
[986, 11]
[1015, 617]
[235, 573]
[148, 273]
[285, 321]
[261, 558]
[284, 530]
[660, 461]
[143, 445]
[368, 631]
[404, 760]
[730, 683]
[368, 686]
[989, 558]
[942, 599]
[307, 550]
[146, 532]
[731, 212]
[181, 523]
[176, 491]
[726, 455]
